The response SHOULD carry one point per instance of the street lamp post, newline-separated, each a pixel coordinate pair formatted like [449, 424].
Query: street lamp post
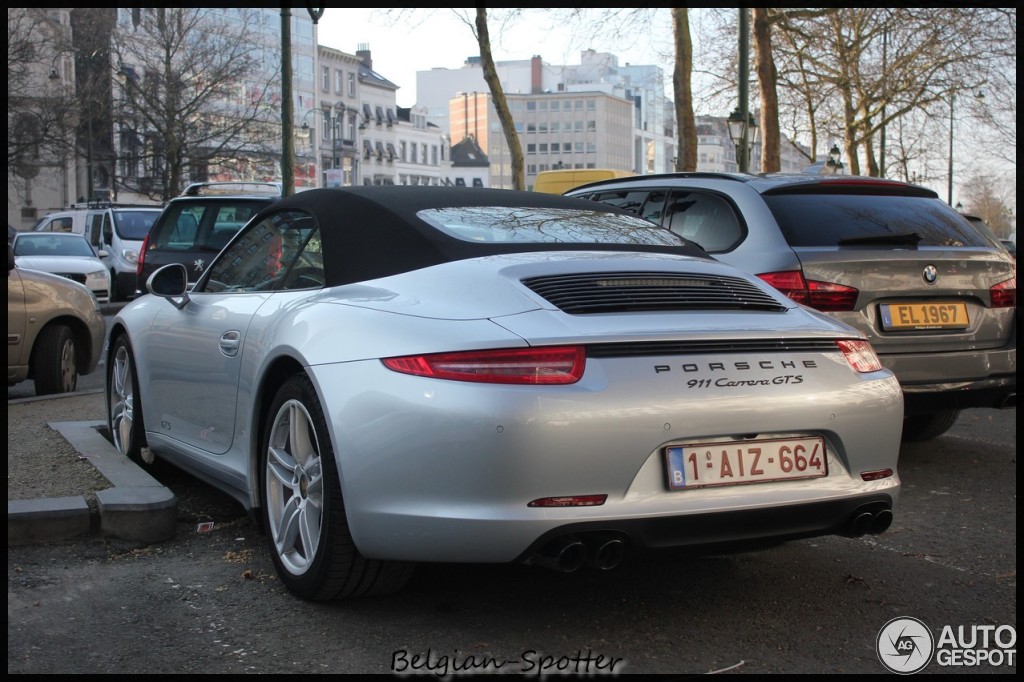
[949, 180]
[287, 114]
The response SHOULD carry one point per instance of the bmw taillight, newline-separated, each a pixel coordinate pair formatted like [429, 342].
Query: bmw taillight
[860, 355]
[823, 296]
[1004, 294]
[551, 365]
[142, 256]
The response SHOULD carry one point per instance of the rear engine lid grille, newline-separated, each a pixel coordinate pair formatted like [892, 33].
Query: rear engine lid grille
[710, 347]
[621, 292]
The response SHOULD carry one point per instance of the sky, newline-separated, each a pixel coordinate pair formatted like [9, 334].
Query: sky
[401, 46]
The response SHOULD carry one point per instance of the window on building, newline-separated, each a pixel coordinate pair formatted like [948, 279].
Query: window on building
[351, 77]
[592, 126]
[554, 105]
[555, 126]
[543, 148]
[577, 126]
[591, 105]
[578, 104]
[567, 147]
[531, 105]
[531, 148]
[339, 81]
[325, 78]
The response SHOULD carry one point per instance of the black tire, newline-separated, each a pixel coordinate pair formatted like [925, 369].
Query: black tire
[918, 427]
[124, 406]
[325, 564]
[55, 361]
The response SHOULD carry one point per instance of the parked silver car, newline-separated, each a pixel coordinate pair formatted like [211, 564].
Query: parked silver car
[936, 297]
[54, 329]
[389, 375]
[66, 254]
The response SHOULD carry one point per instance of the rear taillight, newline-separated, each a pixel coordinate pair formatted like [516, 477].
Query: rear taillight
[823, 296]
[552, 365]
[142, 256]
[860, 355]
[1004, 294]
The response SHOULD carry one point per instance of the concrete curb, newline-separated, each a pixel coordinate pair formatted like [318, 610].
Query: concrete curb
[137, 507]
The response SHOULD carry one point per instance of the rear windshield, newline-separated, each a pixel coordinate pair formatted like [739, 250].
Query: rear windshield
[535, 225]
[870, 220]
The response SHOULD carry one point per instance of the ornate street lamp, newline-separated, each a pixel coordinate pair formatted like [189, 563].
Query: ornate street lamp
[833, 165]
[739, 132]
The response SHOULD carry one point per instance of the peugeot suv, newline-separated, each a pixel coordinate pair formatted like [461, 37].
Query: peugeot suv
[936, 297]
[194, 227]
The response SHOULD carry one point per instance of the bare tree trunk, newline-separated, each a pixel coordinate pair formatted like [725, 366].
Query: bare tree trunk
[686, 156]
[500, 103]
[771, 138]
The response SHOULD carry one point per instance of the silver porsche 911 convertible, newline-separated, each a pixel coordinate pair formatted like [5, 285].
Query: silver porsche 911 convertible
[392, 375]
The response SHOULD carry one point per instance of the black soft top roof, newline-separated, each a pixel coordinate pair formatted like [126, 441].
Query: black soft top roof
[371, 232]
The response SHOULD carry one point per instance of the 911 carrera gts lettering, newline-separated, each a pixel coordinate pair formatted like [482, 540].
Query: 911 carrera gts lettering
[726, 382]
[742, 365]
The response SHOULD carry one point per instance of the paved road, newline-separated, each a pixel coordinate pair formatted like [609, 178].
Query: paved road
[209, 601]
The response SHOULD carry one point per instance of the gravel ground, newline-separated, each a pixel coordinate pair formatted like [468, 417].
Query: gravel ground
[40, 462]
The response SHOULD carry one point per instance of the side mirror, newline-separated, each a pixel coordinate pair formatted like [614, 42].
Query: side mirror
[170, 282]
[102, 254]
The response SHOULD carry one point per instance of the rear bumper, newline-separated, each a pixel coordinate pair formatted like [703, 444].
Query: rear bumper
[730, 530]
[956, 381]
[998, 392]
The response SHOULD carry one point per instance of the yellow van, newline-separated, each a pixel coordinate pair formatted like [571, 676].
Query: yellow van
[563, 180]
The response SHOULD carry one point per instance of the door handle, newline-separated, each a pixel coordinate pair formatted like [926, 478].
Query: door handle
[229, 343]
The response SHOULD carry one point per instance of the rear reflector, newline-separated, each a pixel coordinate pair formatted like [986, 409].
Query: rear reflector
[551, 365]
[876, 475]
[570, 501]
[860, 355]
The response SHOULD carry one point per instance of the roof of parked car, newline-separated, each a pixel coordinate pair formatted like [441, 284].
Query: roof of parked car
[778, 182]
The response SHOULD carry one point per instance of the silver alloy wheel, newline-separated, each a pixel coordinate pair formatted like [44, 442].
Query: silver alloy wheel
[68, 367]
[294, 487]
[122, 400]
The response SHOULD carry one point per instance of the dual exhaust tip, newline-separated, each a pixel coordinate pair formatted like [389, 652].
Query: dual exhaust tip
[569, 553]
[868, 522]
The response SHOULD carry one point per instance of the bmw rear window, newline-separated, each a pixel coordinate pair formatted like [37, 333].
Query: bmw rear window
[870, 220]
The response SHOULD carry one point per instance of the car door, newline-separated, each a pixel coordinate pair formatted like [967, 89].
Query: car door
[197, 359]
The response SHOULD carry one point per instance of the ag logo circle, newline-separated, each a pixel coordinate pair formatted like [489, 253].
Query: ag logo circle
[905, 645]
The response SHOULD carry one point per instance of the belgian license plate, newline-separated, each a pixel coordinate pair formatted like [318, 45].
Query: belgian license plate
[920, 316]
[736, 462]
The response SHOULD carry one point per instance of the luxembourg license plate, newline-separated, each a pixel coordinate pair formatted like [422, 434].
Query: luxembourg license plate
[736, 462]
[920, 316]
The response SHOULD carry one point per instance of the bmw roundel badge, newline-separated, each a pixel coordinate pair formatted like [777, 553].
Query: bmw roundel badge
[930, 274]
